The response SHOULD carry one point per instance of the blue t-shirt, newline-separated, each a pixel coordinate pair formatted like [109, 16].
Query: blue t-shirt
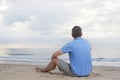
[80, 56]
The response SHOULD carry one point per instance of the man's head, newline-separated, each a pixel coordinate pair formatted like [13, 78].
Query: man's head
[76, 32]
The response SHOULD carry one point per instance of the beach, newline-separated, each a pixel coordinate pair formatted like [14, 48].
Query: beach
[27, 72]
[20, 63]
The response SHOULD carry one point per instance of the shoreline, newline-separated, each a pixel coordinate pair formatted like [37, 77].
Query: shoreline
[27, 72]
[95, 63]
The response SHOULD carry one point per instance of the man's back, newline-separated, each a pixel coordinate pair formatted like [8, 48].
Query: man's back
[80, 56]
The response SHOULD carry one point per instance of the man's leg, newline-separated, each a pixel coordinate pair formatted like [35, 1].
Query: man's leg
[50, 66]
[65, 68]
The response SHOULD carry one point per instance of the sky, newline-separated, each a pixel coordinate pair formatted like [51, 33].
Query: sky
[48, 23]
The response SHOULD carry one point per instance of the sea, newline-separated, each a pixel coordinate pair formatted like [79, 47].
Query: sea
[42, 56]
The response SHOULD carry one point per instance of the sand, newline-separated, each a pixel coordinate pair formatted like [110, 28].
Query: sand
[27, 72]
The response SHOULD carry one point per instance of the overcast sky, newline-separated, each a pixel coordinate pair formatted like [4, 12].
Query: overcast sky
[47, 23]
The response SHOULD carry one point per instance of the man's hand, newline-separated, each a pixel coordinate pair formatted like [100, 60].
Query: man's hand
[56, 54]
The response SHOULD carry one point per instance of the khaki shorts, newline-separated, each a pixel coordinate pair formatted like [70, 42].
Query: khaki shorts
[65, 68]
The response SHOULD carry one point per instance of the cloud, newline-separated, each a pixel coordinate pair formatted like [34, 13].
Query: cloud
[3, 5]
[18, 31]
[50, 21]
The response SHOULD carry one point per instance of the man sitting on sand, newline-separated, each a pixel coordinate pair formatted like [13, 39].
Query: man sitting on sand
[79, 51]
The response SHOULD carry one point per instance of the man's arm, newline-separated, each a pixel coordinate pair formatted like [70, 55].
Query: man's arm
[56, 54]
[52, 64]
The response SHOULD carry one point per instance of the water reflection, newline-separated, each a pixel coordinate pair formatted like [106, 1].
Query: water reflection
[4, 52]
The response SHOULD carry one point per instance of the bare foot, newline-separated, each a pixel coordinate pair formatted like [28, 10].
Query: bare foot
[40, 70]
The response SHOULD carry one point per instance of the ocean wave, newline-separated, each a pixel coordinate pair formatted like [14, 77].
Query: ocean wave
[45, 59]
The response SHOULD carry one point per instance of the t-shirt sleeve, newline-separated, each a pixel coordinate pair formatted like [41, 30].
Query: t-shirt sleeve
[66, 48]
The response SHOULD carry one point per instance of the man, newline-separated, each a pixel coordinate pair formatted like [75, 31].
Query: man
[79, 51]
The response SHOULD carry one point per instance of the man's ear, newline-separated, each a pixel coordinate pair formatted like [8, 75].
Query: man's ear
[72, 35]
[81, 34]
